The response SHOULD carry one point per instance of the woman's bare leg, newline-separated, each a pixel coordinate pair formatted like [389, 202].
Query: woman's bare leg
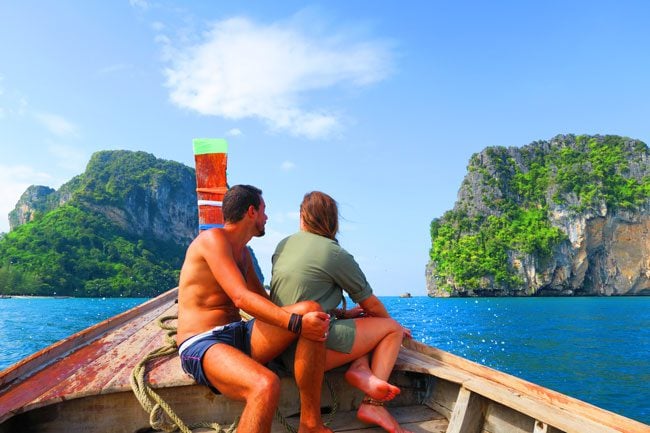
[384, 337]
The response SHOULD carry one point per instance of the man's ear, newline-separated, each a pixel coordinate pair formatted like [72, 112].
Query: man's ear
[251, 211]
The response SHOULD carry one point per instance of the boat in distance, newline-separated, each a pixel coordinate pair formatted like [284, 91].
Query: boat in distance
[84, 384]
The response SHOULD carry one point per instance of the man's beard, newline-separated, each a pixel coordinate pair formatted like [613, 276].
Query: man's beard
[260, 232]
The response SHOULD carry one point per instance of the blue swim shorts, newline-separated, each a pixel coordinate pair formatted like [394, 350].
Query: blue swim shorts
[191, 351]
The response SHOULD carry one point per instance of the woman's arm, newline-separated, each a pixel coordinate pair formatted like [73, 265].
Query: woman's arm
[372, 306]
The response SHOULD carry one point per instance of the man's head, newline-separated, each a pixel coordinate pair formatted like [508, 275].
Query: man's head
[319, 214]
[237, 202]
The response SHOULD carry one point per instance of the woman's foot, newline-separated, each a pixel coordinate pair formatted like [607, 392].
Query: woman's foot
[362, 378]
[373, 412]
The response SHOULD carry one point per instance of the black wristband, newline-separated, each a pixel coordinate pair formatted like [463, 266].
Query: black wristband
[295, 323]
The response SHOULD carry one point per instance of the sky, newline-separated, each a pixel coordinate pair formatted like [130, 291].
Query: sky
[379, 104]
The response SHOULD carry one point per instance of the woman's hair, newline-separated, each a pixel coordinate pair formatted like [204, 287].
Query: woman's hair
[320, 214]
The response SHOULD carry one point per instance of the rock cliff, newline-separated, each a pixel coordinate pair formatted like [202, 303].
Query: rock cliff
[119, 229]
[33, 202]
[568, 216]
[145, 196]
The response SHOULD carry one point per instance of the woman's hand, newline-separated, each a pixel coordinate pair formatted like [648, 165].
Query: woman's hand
[354, 313]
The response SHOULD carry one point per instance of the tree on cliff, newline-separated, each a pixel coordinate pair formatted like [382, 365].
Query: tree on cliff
[119, 229]
[510, 218]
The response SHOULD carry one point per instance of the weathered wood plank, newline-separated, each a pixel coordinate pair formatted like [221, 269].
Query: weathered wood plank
[540, 427]
[418, 419]
[499, 418]
[468, 413]
[51, 353]
[410, 360]
[111, 371]
[538, 409]
[17, 397]
[564, 404]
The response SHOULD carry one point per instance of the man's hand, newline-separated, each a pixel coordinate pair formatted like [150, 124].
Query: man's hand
[315, 325]
[407, 332]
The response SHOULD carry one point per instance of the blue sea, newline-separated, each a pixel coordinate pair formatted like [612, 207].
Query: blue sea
[594, 349]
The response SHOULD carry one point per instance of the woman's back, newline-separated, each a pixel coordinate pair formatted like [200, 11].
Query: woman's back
[307, 266]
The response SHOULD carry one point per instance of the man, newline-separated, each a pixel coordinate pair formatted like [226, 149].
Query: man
[218, 349]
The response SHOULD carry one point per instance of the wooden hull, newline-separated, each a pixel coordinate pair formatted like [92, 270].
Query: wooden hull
[81, 384]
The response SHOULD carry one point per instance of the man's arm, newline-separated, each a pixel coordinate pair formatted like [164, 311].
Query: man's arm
[217, 252]
[252, 280]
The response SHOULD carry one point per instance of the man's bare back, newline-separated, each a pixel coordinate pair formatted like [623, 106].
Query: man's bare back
[203, 304]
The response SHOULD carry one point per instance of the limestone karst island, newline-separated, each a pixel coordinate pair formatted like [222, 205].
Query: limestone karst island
[564, 217]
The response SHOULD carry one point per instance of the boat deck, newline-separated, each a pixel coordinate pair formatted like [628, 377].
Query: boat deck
[415, 418]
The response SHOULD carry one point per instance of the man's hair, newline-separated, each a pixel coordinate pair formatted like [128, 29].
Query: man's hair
[237, 200]
[320, 214]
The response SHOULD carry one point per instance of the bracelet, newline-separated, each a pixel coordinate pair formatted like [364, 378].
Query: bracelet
[295, 323]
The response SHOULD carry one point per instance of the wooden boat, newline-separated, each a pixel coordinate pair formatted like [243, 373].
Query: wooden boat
[86, 383]
[82, 384]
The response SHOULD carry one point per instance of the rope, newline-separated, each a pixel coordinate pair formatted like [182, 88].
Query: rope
[162, 416]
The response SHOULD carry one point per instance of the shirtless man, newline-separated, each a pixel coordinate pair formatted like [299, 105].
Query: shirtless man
[223, 352]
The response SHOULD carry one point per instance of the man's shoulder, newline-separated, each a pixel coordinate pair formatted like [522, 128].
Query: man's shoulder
[211, 235]
[209, 239]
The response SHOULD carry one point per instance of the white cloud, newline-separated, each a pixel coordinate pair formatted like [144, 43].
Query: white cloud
[14, 180]
[12, 103]
[22, 106]
[111, 69]
[57, 125]
[235, 132]
[242, 69]
[68, 157]
[141, 4]
[287, 165]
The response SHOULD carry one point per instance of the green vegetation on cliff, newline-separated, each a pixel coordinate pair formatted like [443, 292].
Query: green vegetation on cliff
[100, 242]
[77, 253]
[504, 211]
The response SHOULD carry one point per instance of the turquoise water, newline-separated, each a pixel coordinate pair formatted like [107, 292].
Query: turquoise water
[28, 325]
[594, 349]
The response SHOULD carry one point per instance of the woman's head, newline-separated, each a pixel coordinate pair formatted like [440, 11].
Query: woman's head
[319, 214]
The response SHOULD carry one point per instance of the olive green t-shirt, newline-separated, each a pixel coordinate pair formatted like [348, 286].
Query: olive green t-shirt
[309, 267]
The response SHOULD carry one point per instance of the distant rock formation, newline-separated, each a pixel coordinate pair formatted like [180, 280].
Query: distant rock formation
[119, 229]
[565, 217]
[32, 203]
[143, 195]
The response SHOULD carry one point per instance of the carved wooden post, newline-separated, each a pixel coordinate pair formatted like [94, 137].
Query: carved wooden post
[211, 158]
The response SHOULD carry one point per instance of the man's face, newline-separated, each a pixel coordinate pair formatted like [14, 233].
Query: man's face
[261, 218]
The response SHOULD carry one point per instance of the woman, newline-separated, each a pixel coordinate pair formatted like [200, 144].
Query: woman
[310, 265]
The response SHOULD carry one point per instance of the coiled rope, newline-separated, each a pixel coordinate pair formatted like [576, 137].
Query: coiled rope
[162, 416]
